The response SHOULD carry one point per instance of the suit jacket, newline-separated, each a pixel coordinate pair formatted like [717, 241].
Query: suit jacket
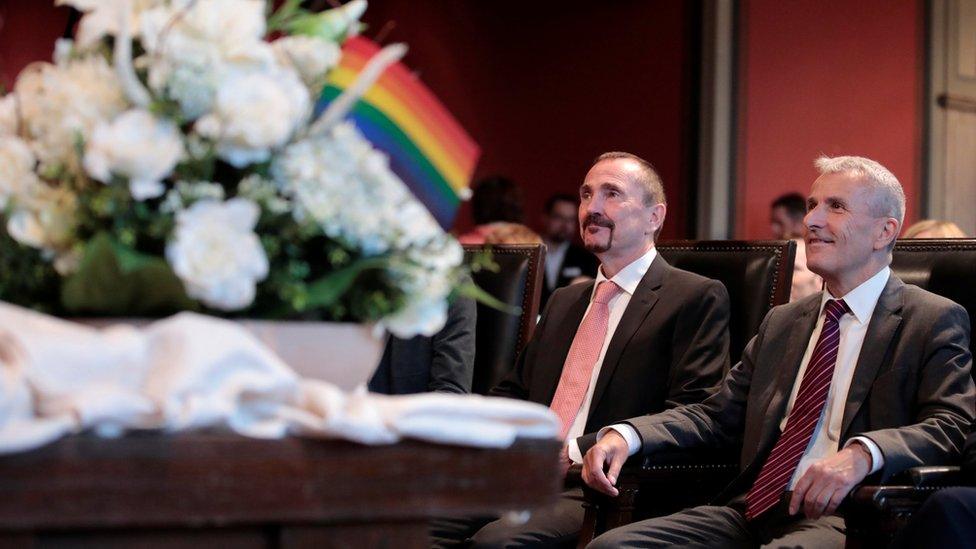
[671, 347]
[443, 362]
[912, 392]
[577, 262]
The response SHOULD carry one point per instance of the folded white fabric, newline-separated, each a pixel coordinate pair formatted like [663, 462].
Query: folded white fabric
[193, 371]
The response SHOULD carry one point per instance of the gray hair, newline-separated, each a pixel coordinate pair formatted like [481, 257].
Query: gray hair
[889, 197]
[648, 178]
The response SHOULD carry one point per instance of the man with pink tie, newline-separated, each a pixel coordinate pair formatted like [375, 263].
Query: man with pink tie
[641, 338]
[867, 378]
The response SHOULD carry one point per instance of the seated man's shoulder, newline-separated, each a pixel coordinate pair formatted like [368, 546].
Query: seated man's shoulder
[927, 306]
[694, 283]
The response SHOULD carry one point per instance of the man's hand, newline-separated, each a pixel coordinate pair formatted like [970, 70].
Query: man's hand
[611, 449]
[827, 482]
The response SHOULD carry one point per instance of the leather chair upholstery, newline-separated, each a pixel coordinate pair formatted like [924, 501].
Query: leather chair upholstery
[757, 275]
[875, 513]
[499, 335]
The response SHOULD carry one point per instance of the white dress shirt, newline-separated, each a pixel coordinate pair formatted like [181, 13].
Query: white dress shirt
[826, 435]
[554, 261]
[628, 278]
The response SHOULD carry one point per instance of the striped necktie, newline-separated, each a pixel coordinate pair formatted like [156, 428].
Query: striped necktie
[807, 409]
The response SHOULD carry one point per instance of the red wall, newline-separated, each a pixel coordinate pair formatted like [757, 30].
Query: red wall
[28, 29]
[826, 76]
[544, 87]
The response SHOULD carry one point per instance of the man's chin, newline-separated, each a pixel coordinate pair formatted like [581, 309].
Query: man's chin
[596, 247]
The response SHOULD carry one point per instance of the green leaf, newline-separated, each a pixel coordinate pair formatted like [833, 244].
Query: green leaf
[114, 279]
[327, 290]
[473, 291]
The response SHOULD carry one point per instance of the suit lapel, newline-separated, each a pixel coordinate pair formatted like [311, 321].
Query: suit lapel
[885, 322]
[641, 303]
[563, 340]
[778, 393]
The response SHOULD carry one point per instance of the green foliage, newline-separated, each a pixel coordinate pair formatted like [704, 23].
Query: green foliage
[26, 278]
[114, 279]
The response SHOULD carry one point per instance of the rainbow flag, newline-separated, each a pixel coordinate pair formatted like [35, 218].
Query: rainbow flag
[428, 148]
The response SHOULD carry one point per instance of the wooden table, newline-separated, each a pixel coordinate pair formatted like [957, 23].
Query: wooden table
[221, 490]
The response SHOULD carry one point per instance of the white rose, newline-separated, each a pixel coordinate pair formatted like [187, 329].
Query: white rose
[311, 56]
[137, 146]
[17, 174]
[216, 254]
[253, 113]
[59, 103]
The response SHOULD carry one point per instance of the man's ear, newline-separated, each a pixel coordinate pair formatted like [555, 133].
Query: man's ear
[658, 212]
[889, 232]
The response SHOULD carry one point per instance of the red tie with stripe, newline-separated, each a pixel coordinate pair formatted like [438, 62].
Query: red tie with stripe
[583, 354]
[807, 408]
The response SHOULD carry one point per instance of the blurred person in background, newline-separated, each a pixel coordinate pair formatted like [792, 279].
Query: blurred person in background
[493, 199]
[786, 222]
[933, 228]
[566, 262]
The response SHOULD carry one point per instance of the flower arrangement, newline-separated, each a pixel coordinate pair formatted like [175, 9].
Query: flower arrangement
[168, 159]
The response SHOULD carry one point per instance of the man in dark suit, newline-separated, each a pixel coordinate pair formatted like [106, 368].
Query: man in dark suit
[644, 336]
[443, 362]
[565, 261]
[870, 377]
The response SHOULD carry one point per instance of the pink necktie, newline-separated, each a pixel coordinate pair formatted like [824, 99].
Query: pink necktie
[583, 354]
[810, 399]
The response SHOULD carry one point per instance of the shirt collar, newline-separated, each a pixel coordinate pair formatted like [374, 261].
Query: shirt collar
[863, 299]
[630, 276]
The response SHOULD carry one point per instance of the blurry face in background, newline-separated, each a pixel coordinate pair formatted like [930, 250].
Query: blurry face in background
[614, 219]
[561, 222]
[783, 226]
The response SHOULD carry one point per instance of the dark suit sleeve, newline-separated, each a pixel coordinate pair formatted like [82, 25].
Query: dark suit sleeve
[944, 401]
[452, 362]
[700, 351]
[718, 422]
[701, 347]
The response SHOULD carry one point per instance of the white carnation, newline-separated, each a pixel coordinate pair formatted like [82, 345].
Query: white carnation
[216, 254]
[137, 146]
[420, 316]
[311, 56]
[253, 113]
[61, 103]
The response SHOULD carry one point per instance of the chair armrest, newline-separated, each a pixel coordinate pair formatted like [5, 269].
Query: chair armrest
[938, 476]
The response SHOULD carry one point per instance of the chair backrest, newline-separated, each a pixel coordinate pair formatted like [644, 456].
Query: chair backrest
[757, 274]
[500, 336]
[943, 266]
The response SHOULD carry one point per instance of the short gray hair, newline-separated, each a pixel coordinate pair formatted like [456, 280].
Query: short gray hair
[889, 197]
[648, 178]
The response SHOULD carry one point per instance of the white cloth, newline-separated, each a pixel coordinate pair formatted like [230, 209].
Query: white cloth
[853, 327]
[192, 371]
[628, 278]
[554, 262]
